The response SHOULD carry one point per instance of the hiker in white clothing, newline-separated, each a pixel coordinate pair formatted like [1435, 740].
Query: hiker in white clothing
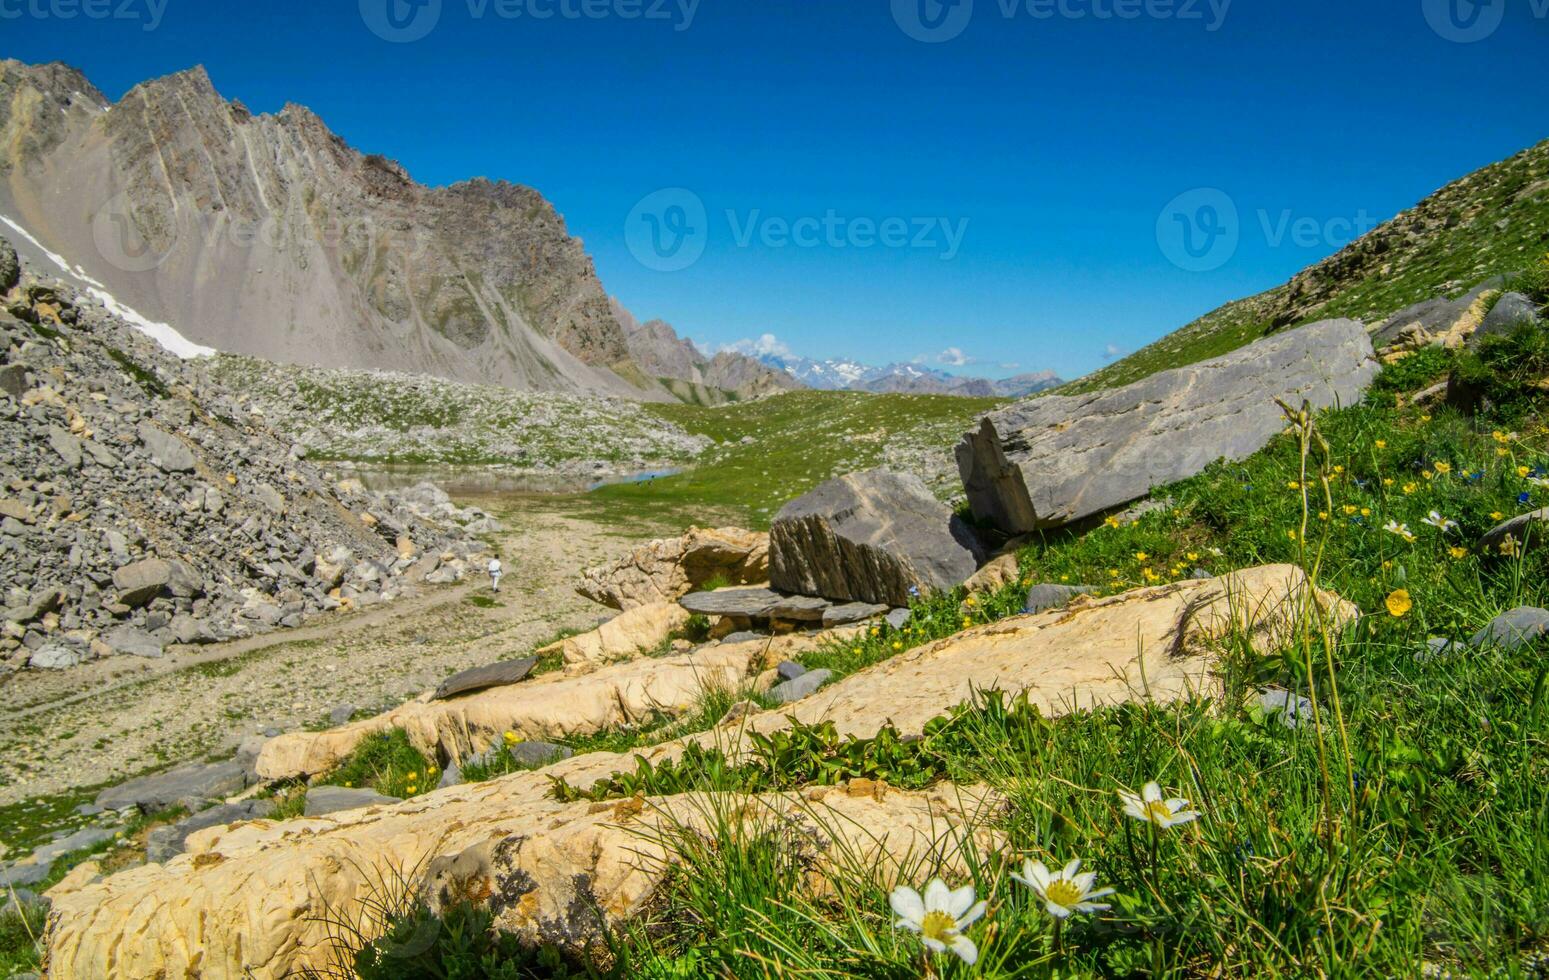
[495, 571]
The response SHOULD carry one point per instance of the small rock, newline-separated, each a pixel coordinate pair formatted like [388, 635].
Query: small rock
[1292, 710]
[1041, 598]
[899, 618]
[133, 642]
[142, 581]
[167, 451]
[805, 685]
[790, 670]
[340, 714]
[1512, 630]
[536, 755]
[55, 656]
[853, 612]
[323, 800]
[481, 678]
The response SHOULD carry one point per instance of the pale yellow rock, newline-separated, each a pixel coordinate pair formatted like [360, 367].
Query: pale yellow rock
[548, 707]
[671, 568]
[250, 900]
[629, 634]
[994, 576]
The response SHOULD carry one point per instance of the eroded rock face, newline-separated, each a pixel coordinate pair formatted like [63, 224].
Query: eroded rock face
[1438, 321]
[870, 537]
[1059, 459]
[667, 570]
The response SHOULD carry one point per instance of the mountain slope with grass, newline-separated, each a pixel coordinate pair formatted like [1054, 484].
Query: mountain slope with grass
[1489, 223]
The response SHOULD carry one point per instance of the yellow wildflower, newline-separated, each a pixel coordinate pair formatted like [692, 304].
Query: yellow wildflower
[1410, 488]
[1496, 515]
[1382, 443]
[1443, 468]
[1523, 471]
[1459, 552]
[1387, 481]
[1425, 418]
[1502, 451]
[1399, 604]
[1351, 510]
[1193, 556]
[1366, 512]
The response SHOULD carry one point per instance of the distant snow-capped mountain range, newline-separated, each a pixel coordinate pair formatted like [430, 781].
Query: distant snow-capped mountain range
[847, 375]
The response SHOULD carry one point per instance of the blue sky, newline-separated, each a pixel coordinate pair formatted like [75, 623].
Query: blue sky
[889, 179]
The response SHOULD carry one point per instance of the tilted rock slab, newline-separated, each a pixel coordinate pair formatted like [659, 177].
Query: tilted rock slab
[1058, 459]
[1159, 643]
[668, 569]
[251, 896]
[629, 634]
[547, 707]
[248, 900]
[870, 537]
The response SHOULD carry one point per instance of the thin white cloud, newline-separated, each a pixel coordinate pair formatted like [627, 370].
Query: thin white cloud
[768, 344]
[1112, 351]
[954, 357]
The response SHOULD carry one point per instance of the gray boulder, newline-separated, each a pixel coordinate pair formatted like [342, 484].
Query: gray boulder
[899, 618]
[480, 678]
[10, 267]
[87, 837]
[190, 783]
[167, 451]
[1431, 321]
[56, 656]
[143, 581]
[789, 670]
[1514, 629]
[66, 445]
[162, 844]
[1059, 459]
[13, 380]
[1526, 529]
[131, 641]
[738, 603]
[1041, 598]
[25, 873]
[876, 537]
[536, 755]
[323, 800]
[800, 687]
[1511, 311]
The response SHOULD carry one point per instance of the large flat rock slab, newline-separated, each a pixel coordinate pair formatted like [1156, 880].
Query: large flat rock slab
[875, 537]
[482, 678]
[1059, 459]
[666, 570]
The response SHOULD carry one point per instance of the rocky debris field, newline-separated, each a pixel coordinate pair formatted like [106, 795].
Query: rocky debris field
[141, 506]
[385, 417]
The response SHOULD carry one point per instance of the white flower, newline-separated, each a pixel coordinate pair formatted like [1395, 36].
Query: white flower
[1539, 481]
[1402, 530]
[1439, 522]
[1149, 807]
[1066, 892]
[939, 917]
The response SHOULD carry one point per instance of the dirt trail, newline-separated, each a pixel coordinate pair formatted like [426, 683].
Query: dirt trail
[115, 718]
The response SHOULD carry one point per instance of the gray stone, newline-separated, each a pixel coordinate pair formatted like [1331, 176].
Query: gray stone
[56, 656]
[804, 686]
[164, 843]
[1514, 629]
[323, 800]
[143, 581]
[66, 445]
[196, 781]
[1041, 598]
[42, 602]
[851, 612]
[1292, 710]
[10, 267]
[877, 537]
[81, 840]
[1429, 321]
[1058, 459]
[800, 609]
[13, 380]
[132, 641]
[340, 714]
[270, 497]
[899, 618]
[790, 670]
[741, 603]
[187, 630]
[536, 755]
[744, 636]
[28, 873]
[1527, 529]
[452, 775]
[1510, 311]
[1441, 648]
[182, 581]
[480, 678]
[167, 451]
